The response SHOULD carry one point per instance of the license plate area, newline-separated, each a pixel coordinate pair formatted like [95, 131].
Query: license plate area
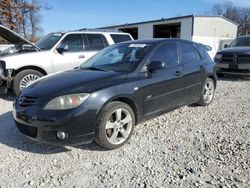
[223, 65]
[244, 66]
[233, 66]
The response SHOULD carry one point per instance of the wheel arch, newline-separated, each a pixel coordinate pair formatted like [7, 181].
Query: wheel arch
[128, 101]
[30, 67]
[214, 79]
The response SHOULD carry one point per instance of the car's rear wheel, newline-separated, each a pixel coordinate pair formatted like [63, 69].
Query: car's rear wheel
[116, 124]
[24, 78]
[207, 94]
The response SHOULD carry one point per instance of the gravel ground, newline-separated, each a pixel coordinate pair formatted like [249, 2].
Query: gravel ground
[189, 147]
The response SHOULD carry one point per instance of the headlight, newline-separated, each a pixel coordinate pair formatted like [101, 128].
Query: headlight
[66, 102]
[218, 57]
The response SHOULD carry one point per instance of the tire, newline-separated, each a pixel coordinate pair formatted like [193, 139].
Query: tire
[112, 132]
[23, 77]
[207, 93]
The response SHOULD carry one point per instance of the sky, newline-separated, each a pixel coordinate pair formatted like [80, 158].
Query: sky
[75, 14]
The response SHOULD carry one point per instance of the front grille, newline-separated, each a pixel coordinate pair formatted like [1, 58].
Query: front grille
[26, 101]
[243, 58]
[27, 130]
[229, 58]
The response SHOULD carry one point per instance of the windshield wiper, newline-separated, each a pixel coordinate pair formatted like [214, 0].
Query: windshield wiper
[93, 68]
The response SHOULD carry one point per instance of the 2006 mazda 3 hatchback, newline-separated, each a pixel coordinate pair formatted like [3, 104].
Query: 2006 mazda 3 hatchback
[121, 86]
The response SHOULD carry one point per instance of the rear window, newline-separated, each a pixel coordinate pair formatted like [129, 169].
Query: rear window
[189, 53]
[96, 41]
[203, 52]
[120, 38]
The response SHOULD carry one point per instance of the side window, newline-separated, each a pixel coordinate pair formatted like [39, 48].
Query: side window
[73, 42]
[189, 53]
[96, 41]
[120, 38]
[166, 53]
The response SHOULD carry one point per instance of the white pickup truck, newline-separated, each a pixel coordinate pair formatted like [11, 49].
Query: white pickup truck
[26, 62]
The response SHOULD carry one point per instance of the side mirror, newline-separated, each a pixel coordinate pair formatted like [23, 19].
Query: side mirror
[208, 48]
[226, 46]
[62, 48]
[155, 65]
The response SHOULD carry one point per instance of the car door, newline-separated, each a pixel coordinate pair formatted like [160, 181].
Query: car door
[162, 90]
[74, 54]
[194, 71]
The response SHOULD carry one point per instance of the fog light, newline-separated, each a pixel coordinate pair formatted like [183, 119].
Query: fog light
[61, 135]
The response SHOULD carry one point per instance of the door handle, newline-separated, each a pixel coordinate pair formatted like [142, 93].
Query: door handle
[178, 73]
[81, 56]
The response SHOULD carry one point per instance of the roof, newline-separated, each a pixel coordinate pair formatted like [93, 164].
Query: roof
[144, 22]
[153, 41]
[169, 19]
[90, 31]
[217, 16]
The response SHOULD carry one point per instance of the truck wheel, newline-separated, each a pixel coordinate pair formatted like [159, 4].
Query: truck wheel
[116, 125]
[24, 78]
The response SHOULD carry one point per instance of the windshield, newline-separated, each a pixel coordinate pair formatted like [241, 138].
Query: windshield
[244, 41]
[47, 42]
[118, 58]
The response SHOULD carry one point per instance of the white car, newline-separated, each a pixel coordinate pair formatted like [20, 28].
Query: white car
[26, 62]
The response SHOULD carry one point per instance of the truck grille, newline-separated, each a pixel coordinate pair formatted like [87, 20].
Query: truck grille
[243, 58]
[236, 58]
[27, 130]
[26, 101]
[227, 58]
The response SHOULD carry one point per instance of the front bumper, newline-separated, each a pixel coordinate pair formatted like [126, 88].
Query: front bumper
[42, 126]
[239, 69]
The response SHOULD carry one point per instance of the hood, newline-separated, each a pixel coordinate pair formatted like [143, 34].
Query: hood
[18, 60]
[235, 50]
[13, 37]
[73, 81]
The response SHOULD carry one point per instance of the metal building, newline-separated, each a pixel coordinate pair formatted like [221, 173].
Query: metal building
[209, 30]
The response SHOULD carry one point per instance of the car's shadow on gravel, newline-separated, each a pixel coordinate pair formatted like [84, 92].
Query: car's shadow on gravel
[234, 78]
[91, 147]
[11, 137]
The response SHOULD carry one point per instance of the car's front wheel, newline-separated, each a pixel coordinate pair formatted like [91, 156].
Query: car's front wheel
[115, 126]
[207, 93]
[24, 78]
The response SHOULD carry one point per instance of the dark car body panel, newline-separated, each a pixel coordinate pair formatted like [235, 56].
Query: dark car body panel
[148, 93]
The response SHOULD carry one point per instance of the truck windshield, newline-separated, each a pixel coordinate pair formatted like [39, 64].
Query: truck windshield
[118, 58]
[47, 42]
[244, 41]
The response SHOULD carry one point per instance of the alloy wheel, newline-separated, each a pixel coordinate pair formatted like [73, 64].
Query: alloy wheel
[27, 80]
[208, 91]
[119, 126]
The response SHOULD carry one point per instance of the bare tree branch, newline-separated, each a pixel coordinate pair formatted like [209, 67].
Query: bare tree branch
[237, 14]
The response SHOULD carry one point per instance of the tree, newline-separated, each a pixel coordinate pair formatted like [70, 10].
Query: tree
[239, 15]
[10, 14]
[22, 16]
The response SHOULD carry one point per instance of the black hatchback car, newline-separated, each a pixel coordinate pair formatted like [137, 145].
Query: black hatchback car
[235, 58]
[118, 88]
